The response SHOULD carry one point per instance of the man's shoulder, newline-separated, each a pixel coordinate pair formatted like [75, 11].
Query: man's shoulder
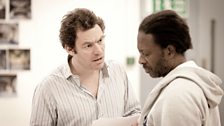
[54, 75]
[115, 68]
[113, 63]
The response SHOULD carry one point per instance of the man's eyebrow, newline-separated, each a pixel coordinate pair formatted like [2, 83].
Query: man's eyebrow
[89, 42]
[103, 36]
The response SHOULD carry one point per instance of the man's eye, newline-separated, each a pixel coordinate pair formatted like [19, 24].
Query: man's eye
[145, 54]
[100, 41]
[88, 46]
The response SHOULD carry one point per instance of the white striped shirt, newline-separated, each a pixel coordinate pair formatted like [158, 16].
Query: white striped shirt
[60, 100]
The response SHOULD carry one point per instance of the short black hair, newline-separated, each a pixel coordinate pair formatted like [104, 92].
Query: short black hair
[168, 28]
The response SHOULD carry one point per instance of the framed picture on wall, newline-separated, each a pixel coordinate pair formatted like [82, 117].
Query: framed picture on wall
[2, 9]
[9, 33]
[19, 59]
[7, 84]
[20, 9]
[3, 61]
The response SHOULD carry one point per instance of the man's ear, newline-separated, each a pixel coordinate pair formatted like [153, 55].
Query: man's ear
[70, 51]
[170, 51]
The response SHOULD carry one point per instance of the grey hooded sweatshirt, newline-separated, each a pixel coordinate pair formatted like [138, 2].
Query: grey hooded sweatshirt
[187, 96]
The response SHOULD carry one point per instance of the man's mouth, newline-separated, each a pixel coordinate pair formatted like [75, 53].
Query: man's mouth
[98, 59]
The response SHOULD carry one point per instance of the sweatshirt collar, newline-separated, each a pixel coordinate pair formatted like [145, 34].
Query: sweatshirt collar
[189, 63]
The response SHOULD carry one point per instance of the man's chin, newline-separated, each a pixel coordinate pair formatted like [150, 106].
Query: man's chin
[151, 74]
[100, 65]
[147, 71]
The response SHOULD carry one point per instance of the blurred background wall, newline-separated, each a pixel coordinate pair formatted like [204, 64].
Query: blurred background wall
[122, 17]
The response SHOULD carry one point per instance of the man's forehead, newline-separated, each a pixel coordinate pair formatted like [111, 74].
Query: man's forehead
[92, 35]
[91, 39]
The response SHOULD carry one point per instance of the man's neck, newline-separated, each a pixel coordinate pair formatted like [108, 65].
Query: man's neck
[179, 59]
[80, 70]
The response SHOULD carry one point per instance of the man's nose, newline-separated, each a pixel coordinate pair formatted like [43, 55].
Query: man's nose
[98, 48]
[141, 60]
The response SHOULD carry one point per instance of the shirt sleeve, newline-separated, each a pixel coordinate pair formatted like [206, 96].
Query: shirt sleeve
[132, 105]
[43, 108]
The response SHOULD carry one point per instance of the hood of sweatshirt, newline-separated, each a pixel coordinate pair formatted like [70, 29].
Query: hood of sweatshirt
[207, 81]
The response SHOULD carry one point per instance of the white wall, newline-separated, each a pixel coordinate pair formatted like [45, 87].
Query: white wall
[40, 34]
[212, 10]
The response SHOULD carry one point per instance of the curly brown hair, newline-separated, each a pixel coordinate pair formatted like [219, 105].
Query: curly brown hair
[78, 19]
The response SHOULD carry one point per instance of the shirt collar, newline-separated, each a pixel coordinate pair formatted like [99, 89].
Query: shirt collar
[68, 73]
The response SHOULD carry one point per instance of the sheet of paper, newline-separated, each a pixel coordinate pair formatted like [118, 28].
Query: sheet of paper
[118, 121]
